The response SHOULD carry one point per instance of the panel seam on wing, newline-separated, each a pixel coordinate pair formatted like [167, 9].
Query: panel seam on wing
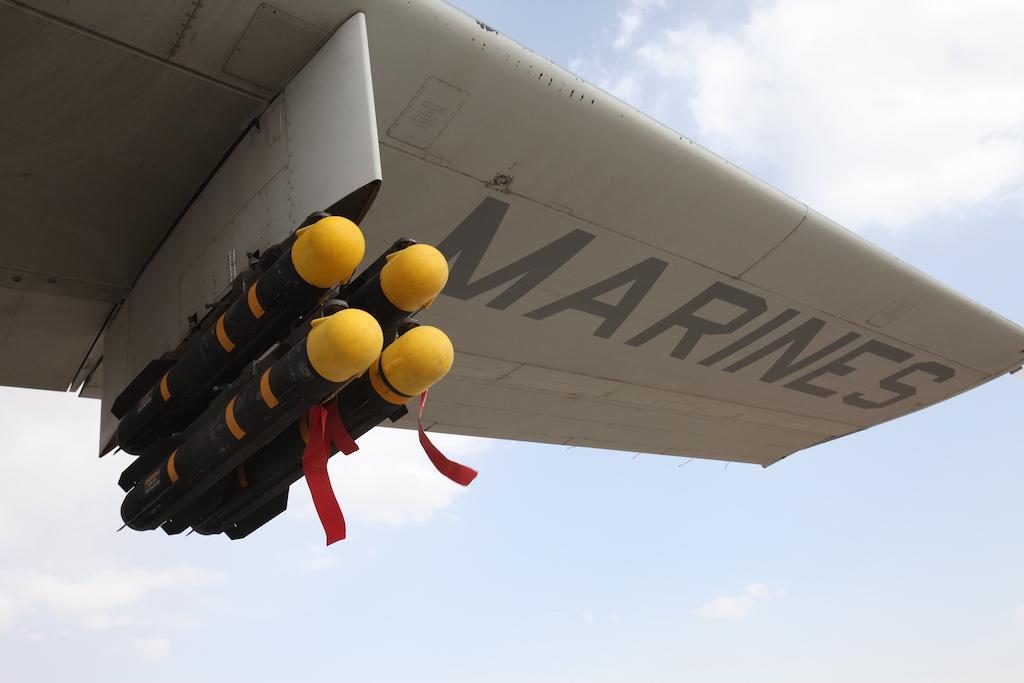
[643, 386]
[807, 211]
[71, 26]
[805, 306]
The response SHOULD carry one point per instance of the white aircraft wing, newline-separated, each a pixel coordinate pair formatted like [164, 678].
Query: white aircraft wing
[613, 284]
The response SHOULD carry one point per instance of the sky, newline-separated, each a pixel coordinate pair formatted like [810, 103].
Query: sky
[890, 555]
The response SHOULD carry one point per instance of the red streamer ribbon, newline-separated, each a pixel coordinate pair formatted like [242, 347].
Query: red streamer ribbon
[339, 435]
[460, 474]
[314, 467]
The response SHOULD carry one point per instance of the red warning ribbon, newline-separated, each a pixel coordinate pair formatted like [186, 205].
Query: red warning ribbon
[339, 435]
[314, 467]
[460, 474]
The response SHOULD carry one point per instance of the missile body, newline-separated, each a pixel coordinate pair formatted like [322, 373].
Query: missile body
[221, 458]
[407, 367]
[337, 348]
[320, 256]
[408, 282]
[403, 281]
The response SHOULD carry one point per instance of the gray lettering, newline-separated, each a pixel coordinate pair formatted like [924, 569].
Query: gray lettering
[468, 243]
[840, 368]
[640, 279]
[794, 342]
[900, 391]
[742, 343]
[696, 327]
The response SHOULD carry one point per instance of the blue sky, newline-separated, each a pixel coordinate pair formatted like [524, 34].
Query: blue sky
[889, 555]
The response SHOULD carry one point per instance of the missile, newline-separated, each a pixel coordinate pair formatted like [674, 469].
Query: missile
[400, 283]
[406, 279]
[318, 257]
[407, 367]
[337, 349]
[222, 458]
[409, 281]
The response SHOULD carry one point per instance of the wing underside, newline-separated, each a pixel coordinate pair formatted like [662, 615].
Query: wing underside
[613, 284]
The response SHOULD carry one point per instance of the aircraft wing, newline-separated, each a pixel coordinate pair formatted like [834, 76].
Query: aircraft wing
[613, 284]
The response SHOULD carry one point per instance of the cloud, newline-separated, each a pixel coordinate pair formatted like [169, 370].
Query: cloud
[105, 622]
[737, 607]
[725, 608]
[587, 615]
[52, 459]
[631, 19]
[95, 599]
[152, 649]
[878, 113]
[318, 557]
[6, 612]
[1018, 615]
[57, 500]
[107, 590]
[389, 480]
[758, 590]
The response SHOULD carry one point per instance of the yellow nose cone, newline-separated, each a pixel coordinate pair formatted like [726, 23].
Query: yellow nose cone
[413, 276]
[328, 251]
[417, 359]
[342, 346]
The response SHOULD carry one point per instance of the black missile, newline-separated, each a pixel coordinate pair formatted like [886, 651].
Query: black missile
[408, 366]
[395, 286]
[337, 349]
[321, 256]
[409, 281]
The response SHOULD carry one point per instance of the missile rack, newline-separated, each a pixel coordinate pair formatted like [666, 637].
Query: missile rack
[298, 355]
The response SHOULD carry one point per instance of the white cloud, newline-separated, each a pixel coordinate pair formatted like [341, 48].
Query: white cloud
[631, 19]
[739, 606]
[152, 649]
[52, 484]
[96, 599]
[880, 112]
[107, 590]
[1018, 615]
[57, 500]
[321, 560]
[587, 615]
[758, 590]
[6, 612]
[105, 622]
[389, 480]
[725, 608]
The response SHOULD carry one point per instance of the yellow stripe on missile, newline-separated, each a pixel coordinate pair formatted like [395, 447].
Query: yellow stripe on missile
[165, 391]
[255, 307]
[229, 418]
[222, 336]
[304, 428]
[243, 481]
[266, 392]
[172, 473]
